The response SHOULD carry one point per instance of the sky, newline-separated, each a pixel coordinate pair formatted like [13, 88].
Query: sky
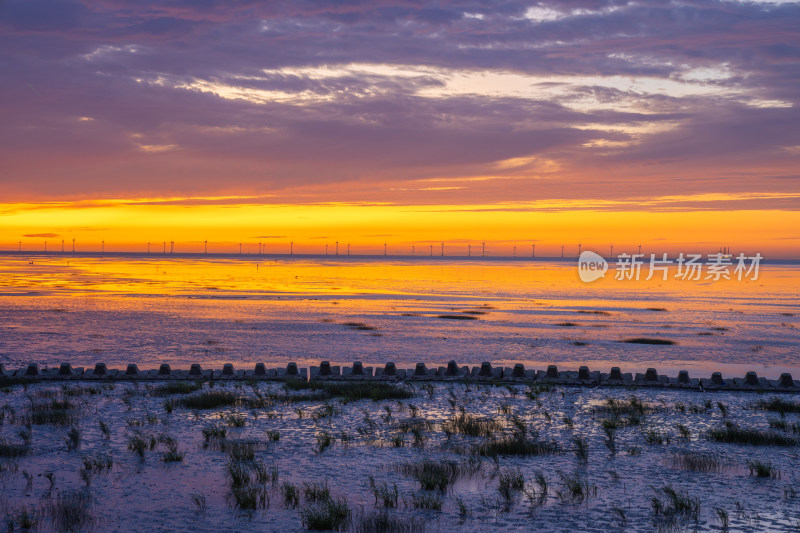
[668, 124]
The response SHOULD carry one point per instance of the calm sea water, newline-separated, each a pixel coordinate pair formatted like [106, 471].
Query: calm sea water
[213, 310]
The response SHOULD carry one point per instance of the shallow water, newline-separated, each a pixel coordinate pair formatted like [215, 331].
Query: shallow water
[213, 310]
[139, 495]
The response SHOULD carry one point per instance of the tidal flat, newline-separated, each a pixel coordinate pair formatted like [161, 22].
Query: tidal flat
[234, 456]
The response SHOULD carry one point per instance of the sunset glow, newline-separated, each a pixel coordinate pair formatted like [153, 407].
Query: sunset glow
[597, 123]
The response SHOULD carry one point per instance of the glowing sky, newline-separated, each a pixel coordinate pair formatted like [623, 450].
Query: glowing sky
[673, 124]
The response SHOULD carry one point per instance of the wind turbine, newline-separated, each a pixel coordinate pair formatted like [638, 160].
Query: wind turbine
[515, 250]
[172, 247]
[611, 254]
[384, 249]
[205, 247]
[533, 250]
[102, 247]
[562, 250]
[73, 245]
[442, 248]
[483, 249]
[291, 248]
[579, 248]
[337, 247]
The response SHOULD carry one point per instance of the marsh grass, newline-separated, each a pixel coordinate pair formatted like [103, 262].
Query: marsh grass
[138, 443]
[101, 462]
[733, 433]
[697, 462]
[581, 449]
[427, 500]
[633, 407]
[656, 437]
[250, 497]
[326, 515]
[778, 405]
[10, 450]
[383, 522]
[290, 495]
[73, 439]
[199, 500]
[670, 504]
[237, 449]
[576, 487]
[25, 518]
[470, 425]
[763, 469]
[71, 511]
[324, 441]
[210, 399]
[384, 496]
[172, 456]
[437, 475]
[316, 491]
[55, 412]
[176, 387]
[214, 432]
[350, 392]
[510, 484]
[516, 444]
[237, 421]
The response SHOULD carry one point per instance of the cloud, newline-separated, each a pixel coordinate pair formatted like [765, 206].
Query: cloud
[41, 235]
[362, 101]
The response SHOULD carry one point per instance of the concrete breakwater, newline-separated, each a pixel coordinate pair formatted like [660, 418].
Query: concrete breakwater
[485, 373]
